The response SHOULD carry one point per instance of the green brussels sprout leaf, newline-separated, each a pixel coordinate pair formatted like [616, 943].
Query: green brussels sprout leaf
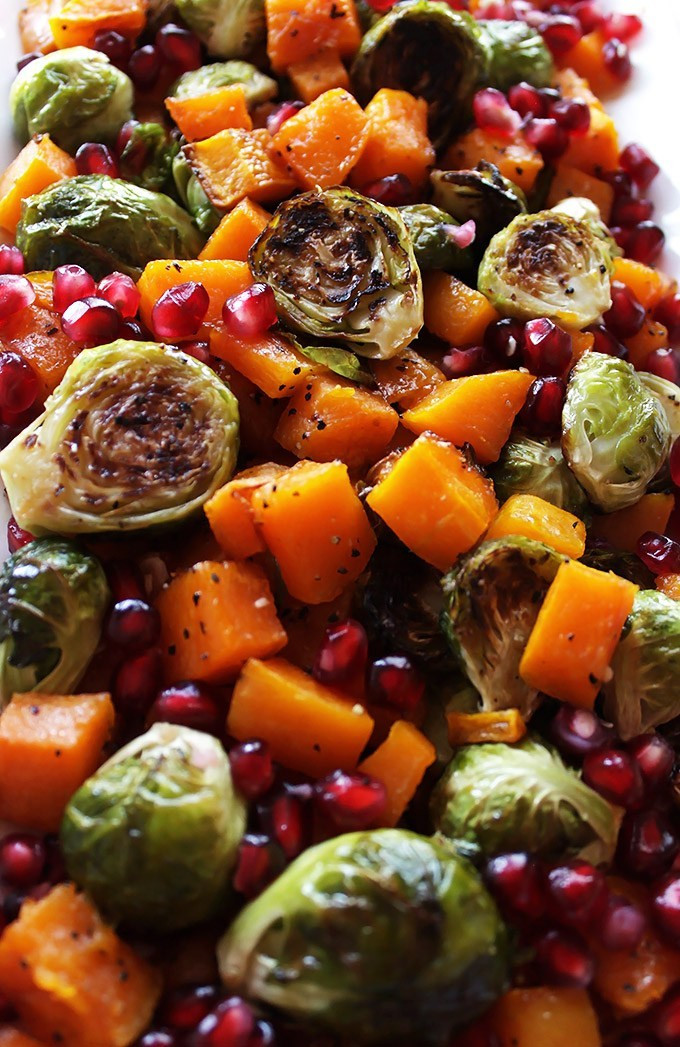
[151, 142]
[256, 85]
[193, 195]
[340, 361]
[538, 467]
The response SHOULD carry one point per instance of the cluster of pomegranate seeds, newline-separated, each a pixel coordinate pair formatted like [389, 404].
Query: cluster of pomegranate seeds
[250, 313]
[17, 537]
[95, 158]
[343, 653]
[281, 113]
[180, 311]
[459, 363]
[188, 704]
[175, 48]
[351, 801]
[12, 261]
[541, 414]
[493, 112]
[252, 768]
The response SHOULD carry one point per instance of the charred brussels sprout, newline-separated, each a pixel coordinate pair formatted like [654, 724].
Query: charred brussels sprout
[53, 597]
[548, 264]
[342, 268]
[228, 28]
[495, 798]
[430, 230]
[75, 95]
[381, 936]
[152, 836]
[538, 467]
[104, 224]
[644, 690]
[482, 195]
[604, 557]
[151, 141]
[256, 85]
[515, 52]
[429, 50]
[193, 195]
[136, 434]
[616, 434]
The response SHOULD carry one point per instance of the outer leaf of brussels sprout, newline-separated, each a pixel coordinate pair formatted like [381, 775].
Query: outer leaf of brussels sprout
[152, 835]
[193, 195]
[53, 597]
[159, 152]
[515, 52]
[548, 264]
[340, 361]
[604, 557]
[104, 224]
[495, 798]
[430, 230]
[538, 467]
[584, 210]
[75, 95]
[342, 268]
[424, 47]
[493, 597]
[615, 434]
[257, 87]
[228, 28]
[668, 395]
[482, 195]
[644, 690]
[136, 435]
[376, 936]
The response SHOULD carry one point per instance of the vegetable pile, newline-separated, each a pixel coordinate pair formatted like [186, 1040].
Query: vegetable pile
[340, 630]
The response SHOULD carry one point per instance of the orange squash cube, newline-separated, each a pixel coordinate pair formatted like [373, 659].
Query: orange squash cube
[236, 164]
[297, 29]
[237, 232]
[533, 517]
[651, 336]
[648, 285]
[623, 528]
[320, 72]
[35, 334]
[38, 165]
[545, 1017]
[586, 59]
[202, 116]
[406, 379]
[34, 25]
[320, 145]
[269, 360]
[569, 181]
[514, 158]
[501, 725]
[230, 511]
[455, 312]
[398, 142]
[598, 149]
[220, 278]
[76, 22]
[400, 764]
[669, 585]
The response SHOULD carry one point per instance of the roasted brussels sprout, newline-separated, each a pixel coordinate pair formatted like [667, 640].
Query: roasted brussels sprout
[515, 52]
[152, 836]
[151, 142]
[53, 597]
[604, 557]
[493, 597]
[193, 195]
[668, 395]
[584, 210]
[644, 690]
[136, 434]
[495, 797]
[482, 195]
[104, 224]
[228, 28]
[256, 85]
[75, 95]
[424, 47]
[616, 434]
[538, 467]
[548, 264]
[430, 230]
[342, 268]
[381, 936]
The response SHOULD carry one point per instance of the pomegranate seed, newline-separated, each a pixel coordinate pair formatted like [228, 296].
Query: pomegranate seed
[503, 340]
[18, 383]
[396, 681]
[199, 350]
[157, 1038]
[121, 291]
[574, 890]
[616, 58]
[526, 100]
[665, 1019]
[638, 165]
[514, 880]
[578, 732]
[614, 775]
[547, 136]
[541, 414]
[621, 236]
[132, 330]
[71, 283]
[93, 158]
[621, 924]
[250, 313]
[622, 27]
[259, 863]
[565, 959]
[351, 801]
[461, 362]
[185, 1008]
[91, 321]
[393, 190]
[27, 59]
[11, 261]
[630, 211]
[180, 311]
[230, 1024]
[626, 315]
[607, 342]
[114, 45]
[144, 67]
[645, 242]
[492, 112]
[462, 235]
[667, 313]
[654, 756]
[16, 294]
[283, 112]
[188, 704]
[664, 364]
[179, 46]
[589, 15]
[666, 907]
[572, 115]
[22, 859]
[659, 554]
[647, 843]
[131, 147]
[136, 683]
[133, 623]
[252, 768]
[124, 580]
[17, 538]
[546, 349]
[285, 824]
[561, 33]
[498, 10]
[342, 654]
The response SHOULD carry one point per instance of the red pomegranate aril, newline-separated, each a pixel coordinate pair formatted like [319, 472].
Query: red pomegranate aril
[564, 959]
[647, 843]
[541, 414]
[622, 27]
[621, 235]
[251, 768]
[395, 680]
[667, 313]
[17, 537]
[572, 115]
[621, 924]
[180, 311]
[185, 1008]
[458, 363]
[133, 330]
[259, 862]
[561, 33]
[144, 67]
[574, 890]
[664, 363]
[514, 880]
[645, 242]
[666, 907]
[497, 9]
[230, 1024]
[283, 112]
[91, 321]
[250, 313]
[616, 58]
[199, 350]
[114, 45]
[607, 342]
[133, 623]
[631, 211]
[125, 580]
[22, 859]
[121, 291]
[12, 261]
[493, 112]
[547, 136]
[351, 801]
[655, 757]
[578, 732]
[71, 283]
[94, 158]
[638, 165]
[626, 315]
[285, 819]
[526, 100]
[665, 1019]
[179, 46]
[16, 294]
[188, 704]
[503, 341]
[589, 15]
[136, 154]
[136, 683]
[658, 553]
[614, 775]
[546, 349]
[342, 654]
[19, 384]
[393, 190]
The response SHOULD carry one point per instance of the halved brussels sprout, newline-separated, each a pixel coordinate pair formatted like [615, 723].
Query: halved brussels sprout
[515, 52]
[152, 836]
[493, 597]
[104, 224]
[136, 434]
[644, 690]
[604, 557]
[584, 210]
[228, 28]
[380, 936]
[193, 195]
[152, 142]
[668, 395]
[482, 195]
[496, 798]
[538, 467]
[430, 230]
[615, 434]
[256, 85]
[75, 95]
[53, 597]
[548, 264]
[342, 268]
[424, 47]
